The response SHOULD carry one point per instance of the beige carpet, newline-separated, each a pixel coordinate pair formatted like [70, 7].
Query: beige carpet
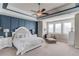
[58, 49]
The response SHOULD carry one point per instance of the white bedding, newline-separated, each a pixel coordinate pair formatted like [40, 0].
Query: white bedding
[24, 41]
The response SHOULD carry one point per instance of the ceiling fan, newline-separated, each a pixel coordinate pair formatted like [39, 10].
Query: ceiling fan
[40, 12]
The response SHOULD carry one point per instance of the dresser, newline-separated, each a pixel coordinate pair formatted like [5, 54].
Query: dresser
[5, 42]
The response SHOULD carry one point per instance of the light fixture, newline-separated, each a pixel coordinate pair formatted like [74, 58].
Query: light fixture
[39, 14]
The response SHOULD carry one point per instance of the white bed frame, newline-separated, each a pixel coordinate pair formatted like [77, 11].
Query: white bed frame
[24, 41]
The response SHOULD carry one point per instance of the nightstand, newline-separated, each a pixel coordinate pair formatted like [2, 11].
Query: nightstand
[5, 42]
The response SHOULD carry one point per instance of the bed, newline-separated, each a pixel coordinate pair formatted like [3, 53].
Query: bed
[24, 41]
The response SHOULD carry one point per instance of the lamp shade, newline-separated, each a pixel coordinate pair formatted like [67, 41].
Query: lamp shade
[6, 30]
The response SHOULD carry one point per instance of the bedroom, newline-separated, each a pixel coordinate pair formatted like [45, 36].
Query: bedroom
[50, 27]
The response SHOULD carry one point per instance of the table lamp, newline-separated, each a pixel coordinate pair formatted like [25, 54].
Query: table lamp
[6, 32]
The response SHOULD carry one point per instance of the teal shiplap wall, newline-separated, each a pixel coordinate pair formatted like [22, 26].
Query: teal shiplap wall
[13, 23]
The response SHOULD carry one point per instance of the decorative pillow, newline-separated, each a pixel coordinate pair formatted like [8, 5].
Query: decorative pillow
[20, 36]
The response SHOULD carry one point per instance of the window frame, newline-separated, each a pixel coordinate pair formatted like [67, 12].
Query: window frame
[62, 22]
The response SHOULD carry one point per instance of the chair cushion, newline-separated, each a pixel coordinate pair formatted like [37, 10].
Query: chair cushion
[51, 39]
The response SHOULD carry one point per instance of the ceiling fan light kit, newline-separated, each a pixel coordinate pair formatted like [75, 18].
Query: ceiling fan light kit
[39, 14]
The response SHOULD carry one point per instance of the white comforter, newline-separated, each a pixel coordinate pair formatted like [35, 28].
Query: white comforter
[25, 44]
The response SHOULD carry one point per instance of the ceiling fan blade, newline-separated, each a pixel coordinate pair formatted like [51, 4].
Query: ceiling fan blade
[45, 13]
[43, 10]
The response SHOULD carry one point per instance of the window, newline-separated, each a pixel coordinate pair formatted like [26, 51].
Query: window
[67, 27]
[50, 28]
[58, 28]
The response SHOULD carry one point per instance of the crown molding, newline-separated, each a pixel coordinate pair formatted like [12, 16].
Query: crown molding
[61, 12]
[5, 5]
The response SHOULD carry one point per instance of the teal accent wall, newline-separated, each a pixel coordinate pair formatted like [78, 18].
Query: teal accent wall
[13, 23]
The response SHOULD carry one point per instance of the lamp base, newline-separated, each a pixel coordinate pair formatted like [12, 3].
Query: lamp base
[6, 34]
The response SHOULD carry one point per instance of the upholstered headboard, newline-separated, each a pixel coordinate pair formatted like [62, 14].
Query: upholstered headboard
[21, 32]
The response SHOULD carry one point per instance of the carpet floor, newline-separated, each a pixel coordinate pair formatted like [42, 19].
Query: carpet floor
[58, 49]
